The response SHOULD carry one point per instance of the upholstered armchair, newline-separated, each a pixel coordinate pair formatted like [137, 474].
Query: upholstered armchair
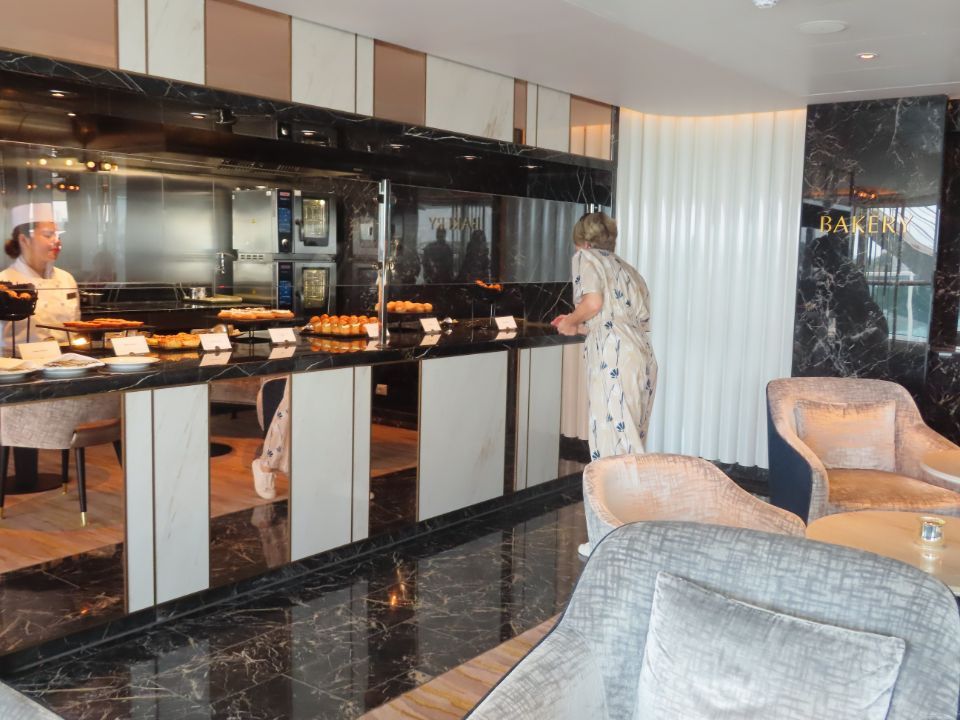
[845, 444]
[589, 665]
[627, 488]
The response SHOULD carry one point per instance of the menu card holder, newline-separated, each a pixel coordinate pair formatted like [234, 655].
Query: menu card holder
[430, 325]
[39, 351]
[506, 322]
[132, 345]
[213, 342]
[282, 336]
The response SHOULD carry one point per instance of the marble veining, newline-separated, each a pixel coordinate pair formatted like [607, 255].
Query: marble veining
[340, 641]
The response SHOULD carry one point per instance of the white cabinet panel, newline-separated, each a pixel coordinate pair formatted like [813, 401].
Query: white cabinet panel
[364, 75]
[543, 429]
[553, 119]
[321, 464]
[532, 98]
[181, 472]
[467, 100]
[132, 35]
[324, 70]
[361, 452]
[175, 39]
[523, 419]
[138, 497]
[462, 431]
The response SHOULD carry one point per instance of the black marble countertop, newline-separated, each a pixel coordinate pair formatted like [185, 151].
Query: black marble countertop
[311, 353]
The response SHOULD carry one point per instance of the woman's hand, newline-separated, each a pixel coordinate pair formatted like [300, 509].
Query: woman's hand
[557, 320]
[567, 326]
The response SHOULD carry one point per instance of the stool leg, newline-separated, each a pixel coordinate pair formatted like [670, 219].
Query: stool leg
[118, 449]
[82, 483]
[64, 470]
[4, 466]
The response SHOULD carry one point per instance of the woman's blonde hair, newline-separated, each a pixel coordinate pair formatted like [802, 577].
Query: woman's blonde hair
[597, 230]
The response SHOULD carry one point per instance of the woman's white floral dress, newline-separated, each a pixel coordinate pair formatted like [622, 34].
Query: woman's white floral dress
[621, 367]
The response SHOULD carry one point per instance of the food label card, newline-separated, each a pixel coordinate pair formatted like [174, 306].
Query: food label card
[507, 322]
[373, 330]
[215, 358]
[39, 351]
[133, 345]
[282, 336]
[282, 351]
[215, 341]
[430, 325]
[430, 339]
[506, 335]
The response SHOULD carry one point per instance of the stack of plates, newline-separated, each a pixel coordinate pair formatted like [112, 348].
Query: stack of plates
[128, 363]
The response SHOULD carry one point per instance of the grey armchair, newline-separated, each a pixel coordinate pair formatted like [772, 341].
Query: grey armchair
[589, 664]
[801, 482]
[627, 488]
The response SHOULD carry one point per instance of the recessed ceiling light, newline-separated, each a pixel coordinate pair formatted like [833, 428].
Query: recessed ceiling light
[468, 157]
[763, 4]
[71, 114]
[198, 116]
[531, 167]
[867, 55]
[822, 27]
[309, 133]
[397, 146]
[58, 93]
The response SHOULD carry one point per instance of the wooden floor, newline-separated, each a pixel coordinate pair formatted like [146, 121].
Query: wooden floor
[453, 694]
[46, 526]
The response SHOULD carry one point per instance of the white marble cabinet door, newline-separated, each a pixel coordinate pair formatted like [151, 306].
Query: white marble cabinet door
[543, 426]
[324, 67]
[138, 498]
[321, 461]
[181, 477]
[553, 119]
[468, 100]
[462, 431]
[175, 39]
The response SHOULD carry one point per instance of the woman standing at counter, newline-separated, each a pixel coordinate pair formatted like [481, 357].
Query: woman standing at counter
[35, 246]
[613, 310]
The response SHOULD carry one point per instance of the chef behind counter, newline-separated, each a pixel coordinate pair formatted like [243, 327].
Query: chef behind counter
[35, 245]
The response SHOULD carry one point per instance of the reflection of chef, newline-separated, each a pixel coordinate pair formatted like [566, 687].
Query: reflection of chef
[35, 245]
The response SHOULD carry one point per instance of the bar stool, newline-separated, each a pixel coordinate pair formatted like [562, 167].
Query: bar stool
[65, 425]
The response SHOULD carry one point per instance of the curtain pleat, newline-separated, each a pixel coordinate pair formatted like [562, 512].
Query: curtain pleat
[709, 211]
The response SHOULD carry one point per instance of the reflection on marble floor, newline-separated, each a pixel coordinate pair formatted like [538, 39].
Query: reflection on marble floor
[338, 642]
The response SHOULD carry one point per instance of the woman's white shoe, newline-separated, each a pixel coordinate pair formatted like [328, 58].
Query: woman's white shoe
[263, 481]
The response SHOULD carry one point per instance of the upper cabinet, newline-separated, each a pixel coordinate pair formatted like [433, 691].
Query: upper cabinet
[324, 66]
[467, 100]
[84, 32]
[399, 83]
[175, 39]
[590, 124]
[553, 119]
[247, 49]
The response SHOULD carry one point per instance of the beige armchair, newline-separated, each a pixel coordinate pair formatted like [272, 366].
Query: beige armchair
[806, 484]
[627, 488]
[65, 425]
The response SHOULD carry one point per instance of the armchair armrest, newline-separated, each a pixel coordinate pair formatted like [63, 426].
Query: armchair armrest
[600, 521]
[558, 680]
[798, 479]
[914, 441]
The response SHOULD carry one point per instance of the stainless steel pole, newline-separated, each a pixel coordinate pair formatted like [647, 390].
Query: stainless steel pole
[383, 270]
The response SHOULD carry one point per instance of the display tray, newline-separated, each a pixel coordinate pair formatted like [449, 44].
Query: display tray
[311, 333]
[132, 325]
[217, 300]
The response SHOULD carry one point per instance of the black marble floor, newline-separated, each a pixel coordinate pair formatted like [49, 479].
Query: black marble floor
[339, 642]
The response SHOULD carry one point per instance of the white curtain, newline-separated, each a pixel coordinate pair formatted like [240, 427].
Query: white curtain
[709, 213]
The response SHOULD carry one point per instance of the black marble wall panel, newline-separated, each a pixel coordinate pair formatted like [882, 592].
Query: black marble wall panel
[125, 112]
[946, 301]
[871, 194]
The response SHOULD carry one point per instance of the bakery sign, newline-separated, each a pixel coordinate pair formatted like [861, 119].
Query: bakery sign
[453, 223]
[871, 224]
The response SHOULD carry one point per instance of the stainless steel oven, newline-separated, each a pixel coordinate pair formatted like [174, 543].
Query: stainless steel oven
[308, 287]
[315, 219]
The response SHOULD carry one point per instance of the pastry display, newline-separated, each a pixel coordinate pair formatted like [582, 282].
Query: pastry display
[180, 341]
[254, 314]
[407, 306]
[496, 287]
[335, 347]
[102, 324]
[339, 324]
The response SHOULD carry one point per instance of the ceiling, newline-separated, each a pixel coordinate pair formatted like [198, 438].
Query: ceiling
[683, 57]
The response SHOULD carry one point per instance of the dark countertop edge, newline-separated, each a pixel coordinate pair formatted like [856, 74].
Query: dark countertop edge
[190, 372]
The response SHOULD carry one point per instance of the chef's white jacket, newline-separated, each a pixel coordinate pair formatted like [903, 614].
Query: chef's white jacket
[58, 300]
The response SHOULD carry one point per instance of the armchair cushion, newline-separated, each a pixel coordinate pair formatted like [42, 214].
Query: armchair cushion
[706, 653]
[877, 490]
[848, 435]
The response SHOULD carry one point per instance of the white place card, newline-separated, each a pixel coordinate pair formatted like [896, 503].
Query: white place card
[430, 339]
[373, 330]
[430, 325]
[39, 351]
[132, 345]
[282, 351]
[506, 322]
[373, 345]
[215, 341]
[215, 358]
[506, 335]
[282, 336]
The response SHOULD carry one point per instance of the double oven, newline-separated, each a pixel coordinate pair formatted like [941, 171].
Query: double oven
[285, 242]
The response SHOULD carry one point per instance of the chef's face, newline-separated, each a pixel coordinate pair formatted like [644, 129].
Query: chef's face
[42, 245]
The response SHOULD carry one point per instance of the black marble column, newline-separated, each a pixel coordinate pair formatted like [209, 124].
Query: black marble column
[871, 196]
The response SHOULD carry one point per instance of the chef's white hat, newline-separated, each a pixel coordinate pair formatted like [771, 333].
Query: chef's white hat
[31, 213]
